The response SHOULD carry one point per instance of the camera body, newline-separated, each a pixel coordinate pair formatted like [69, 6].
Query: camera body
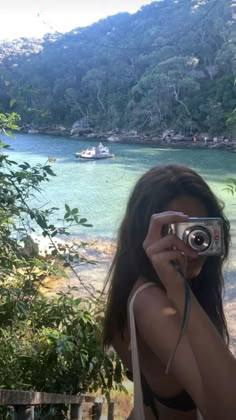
[202, 234]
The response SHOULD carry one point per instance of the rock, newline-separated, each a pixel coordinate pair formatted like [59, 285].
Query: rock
[178, 137]
[167, 134]
[38, 245]
[60, 128]
[33, 131]
[30, 248]
[114, 138]
[92, 135]
[81, 127]
[80, 131]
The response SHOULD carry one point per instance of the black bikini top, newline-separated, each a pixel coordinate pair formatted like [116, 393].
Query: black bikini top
[181, 401]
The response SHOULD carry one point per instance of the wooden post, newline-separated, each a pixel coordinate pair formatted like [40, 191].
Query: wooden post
[110, 410]
[96, 410]
[76, 412]
[23, 412]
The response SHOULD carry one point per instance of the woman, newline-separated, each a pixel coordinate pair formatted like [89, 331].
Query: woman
[202, 374]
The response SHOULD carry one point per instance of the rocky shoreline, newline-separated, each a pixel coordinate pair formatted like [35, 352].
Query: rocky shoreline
[168, 138]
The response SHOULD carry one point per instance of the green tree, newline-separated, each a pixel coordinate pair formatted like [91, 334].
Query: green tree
[46, 344]
[171, 64]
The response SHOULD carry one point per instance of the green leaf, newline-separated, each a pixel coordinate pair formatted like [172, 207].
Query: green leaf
[12, 102]
[75, 211]
[83, 220]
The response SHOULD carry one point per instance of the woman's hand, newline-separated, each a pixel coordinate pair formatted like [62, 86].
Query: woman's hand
[162, 251]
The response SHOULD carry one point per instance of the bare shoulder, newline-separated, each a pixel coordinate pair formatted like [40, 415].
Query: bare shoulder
[140, 288]
[152, 295]
[153, 307]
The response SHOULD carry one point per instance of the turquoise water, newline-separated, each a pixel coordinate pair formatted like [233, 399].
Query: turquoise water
[100, 188]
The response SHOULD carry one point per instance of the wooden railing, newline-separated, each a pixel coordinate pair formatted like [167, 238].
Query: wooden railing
[23, 403]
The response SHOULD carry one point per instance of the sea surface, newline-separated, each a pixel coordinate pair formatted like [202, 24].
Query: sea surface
[100, 188]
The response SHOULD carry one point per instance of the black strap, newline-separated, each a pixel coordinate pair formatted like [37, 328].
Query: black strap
[148, 396]
[181, 402]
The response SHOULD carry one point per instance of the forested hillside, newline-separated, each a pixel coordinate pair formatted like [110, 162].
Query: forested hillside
[170, 65]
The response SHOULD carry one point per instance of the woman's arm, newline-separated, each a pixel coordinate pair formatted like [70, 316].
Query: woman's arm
[202, 363]
[215, 362]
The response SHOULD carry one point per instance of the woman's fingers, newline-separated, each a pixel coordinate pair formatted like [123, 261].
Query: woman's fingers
[162, 251]
[158, 221]
[168, 243]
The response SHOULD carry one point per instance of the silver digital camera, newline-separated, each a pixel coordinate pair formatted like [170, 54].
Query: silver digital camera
[202, 234]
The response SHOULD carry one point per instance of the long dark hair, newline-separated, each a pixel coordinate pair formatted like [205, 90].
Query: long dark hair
[152, 193]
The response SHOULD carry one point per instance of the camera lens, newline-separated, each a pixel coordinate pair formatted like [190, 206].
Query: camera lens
[198, 238]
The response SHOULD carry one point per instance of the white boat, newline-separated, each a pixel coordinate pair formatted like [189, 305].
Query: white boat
[95, 153]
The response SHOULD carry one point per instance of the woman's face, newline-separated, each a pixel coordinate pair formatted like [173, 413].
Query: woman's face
[193, 207]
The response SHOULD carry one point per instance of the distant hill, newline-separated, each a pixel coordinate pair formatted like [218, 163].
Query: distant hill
[170, 65]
